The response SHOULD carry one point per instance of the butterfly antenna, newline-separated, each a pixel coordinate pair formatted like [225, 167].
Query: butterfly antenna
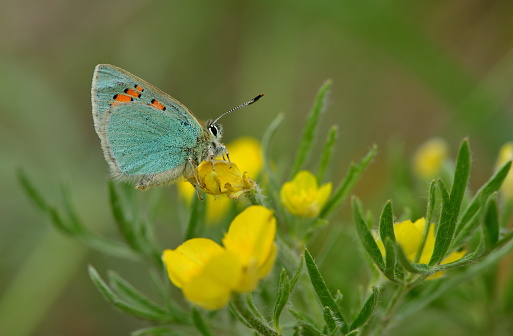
[240, 106]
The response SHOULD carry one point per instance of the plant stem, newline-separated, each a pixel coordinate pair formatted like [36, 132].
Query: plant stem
[388, 314]
[259, 325]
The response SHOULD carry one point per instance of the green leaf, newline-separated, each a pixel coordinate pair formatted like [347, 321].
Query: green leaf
[199, 323]
[450, 210]
[327, 153]
[491, 224]
[345, 186]
[443, 191]
[332, 322]
[391, 270]
[407, 264]
[70, 225]
[386, 223]
[367, 309]
[196, 219]
[321, 289]
[122, 305]
[306, 329]
[479, 201]
[431, 201]
[128, 293]
[310, 130]
[284, 289]
[366, 237]
[296, 275]
[126, 226]
[274, 183]
[31, 191]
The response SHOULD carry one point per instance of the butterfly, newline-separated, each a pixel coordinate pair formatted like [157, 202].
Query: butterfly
[147, 135]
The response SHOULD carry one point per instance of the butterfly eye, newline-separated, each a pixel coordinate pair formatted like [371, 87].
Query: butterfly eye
[213, 130]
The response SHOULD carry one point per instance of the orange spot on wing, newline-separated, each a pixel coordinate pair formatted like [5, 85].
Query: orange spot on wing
[157, 104]
[122, 98]
[133, 93]
[139, 88]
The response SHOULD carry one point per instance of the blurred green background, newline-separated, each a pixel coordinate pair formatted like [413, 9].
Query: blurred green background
[403, 72]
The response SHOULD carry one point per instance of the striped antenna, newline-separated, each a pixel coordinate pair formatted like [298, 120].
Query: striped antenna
[240, 106]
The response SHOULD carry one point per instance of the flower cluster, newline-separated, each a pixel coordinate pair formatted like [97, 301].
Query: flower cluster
[209, 273]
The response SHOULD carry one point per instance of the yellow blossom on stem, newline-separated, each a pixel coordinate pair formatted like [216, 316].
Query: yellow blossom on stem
[223, 178]
[303, 197]
[505, 155]
[429, 158]
[409, 236]
[208, 273]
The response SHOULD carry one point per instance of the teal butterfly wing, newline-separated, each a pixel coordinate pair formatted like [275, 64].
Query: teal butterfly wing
[145, 133]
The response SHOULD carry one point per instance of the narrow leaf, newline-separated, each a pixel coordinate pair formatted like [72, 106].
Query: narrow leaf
[491, 224]
[121, 304]
[386, 223]
[443, 191]
[345, 186]
[320, 287]
[196, 219]
[481, 197]
[125, 225]
[366, 237]
[129, 293]
[367, 309]
[331, 321]
[296, 275]
[431, 201]
[407, 264]
[200, 324]
[327, 153]
[31, 190]
[450, 210]
[282, 298]
[310, 130]
[390, 260]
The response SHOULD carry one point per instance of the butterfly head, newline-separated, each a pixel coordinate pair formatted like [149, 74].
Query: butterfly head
[214, 129]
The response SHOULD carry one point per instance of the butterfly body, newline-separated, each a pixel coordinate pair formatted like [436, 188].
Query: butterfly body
[146, 134]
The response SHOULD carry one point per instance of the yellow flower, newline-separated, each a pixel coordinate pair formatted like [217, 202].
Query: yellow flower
[302, 196]
[247, 152]
[505, 155]
[224, 179]
[409, 237]
[429, 158]
[208, 273]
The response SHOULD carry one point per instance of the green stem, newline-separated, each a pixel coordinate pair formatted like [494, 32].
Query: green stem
[389, 312]
[259, 325]
[255, 197]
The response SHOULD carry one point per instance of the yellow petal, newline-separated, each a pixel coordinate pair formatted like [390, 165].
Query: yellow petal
[302, 197]
[409, 237]
[251, 234]
[323, 194]
[211, 288]
[188, 259]
[247, 152]
[304, 180]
